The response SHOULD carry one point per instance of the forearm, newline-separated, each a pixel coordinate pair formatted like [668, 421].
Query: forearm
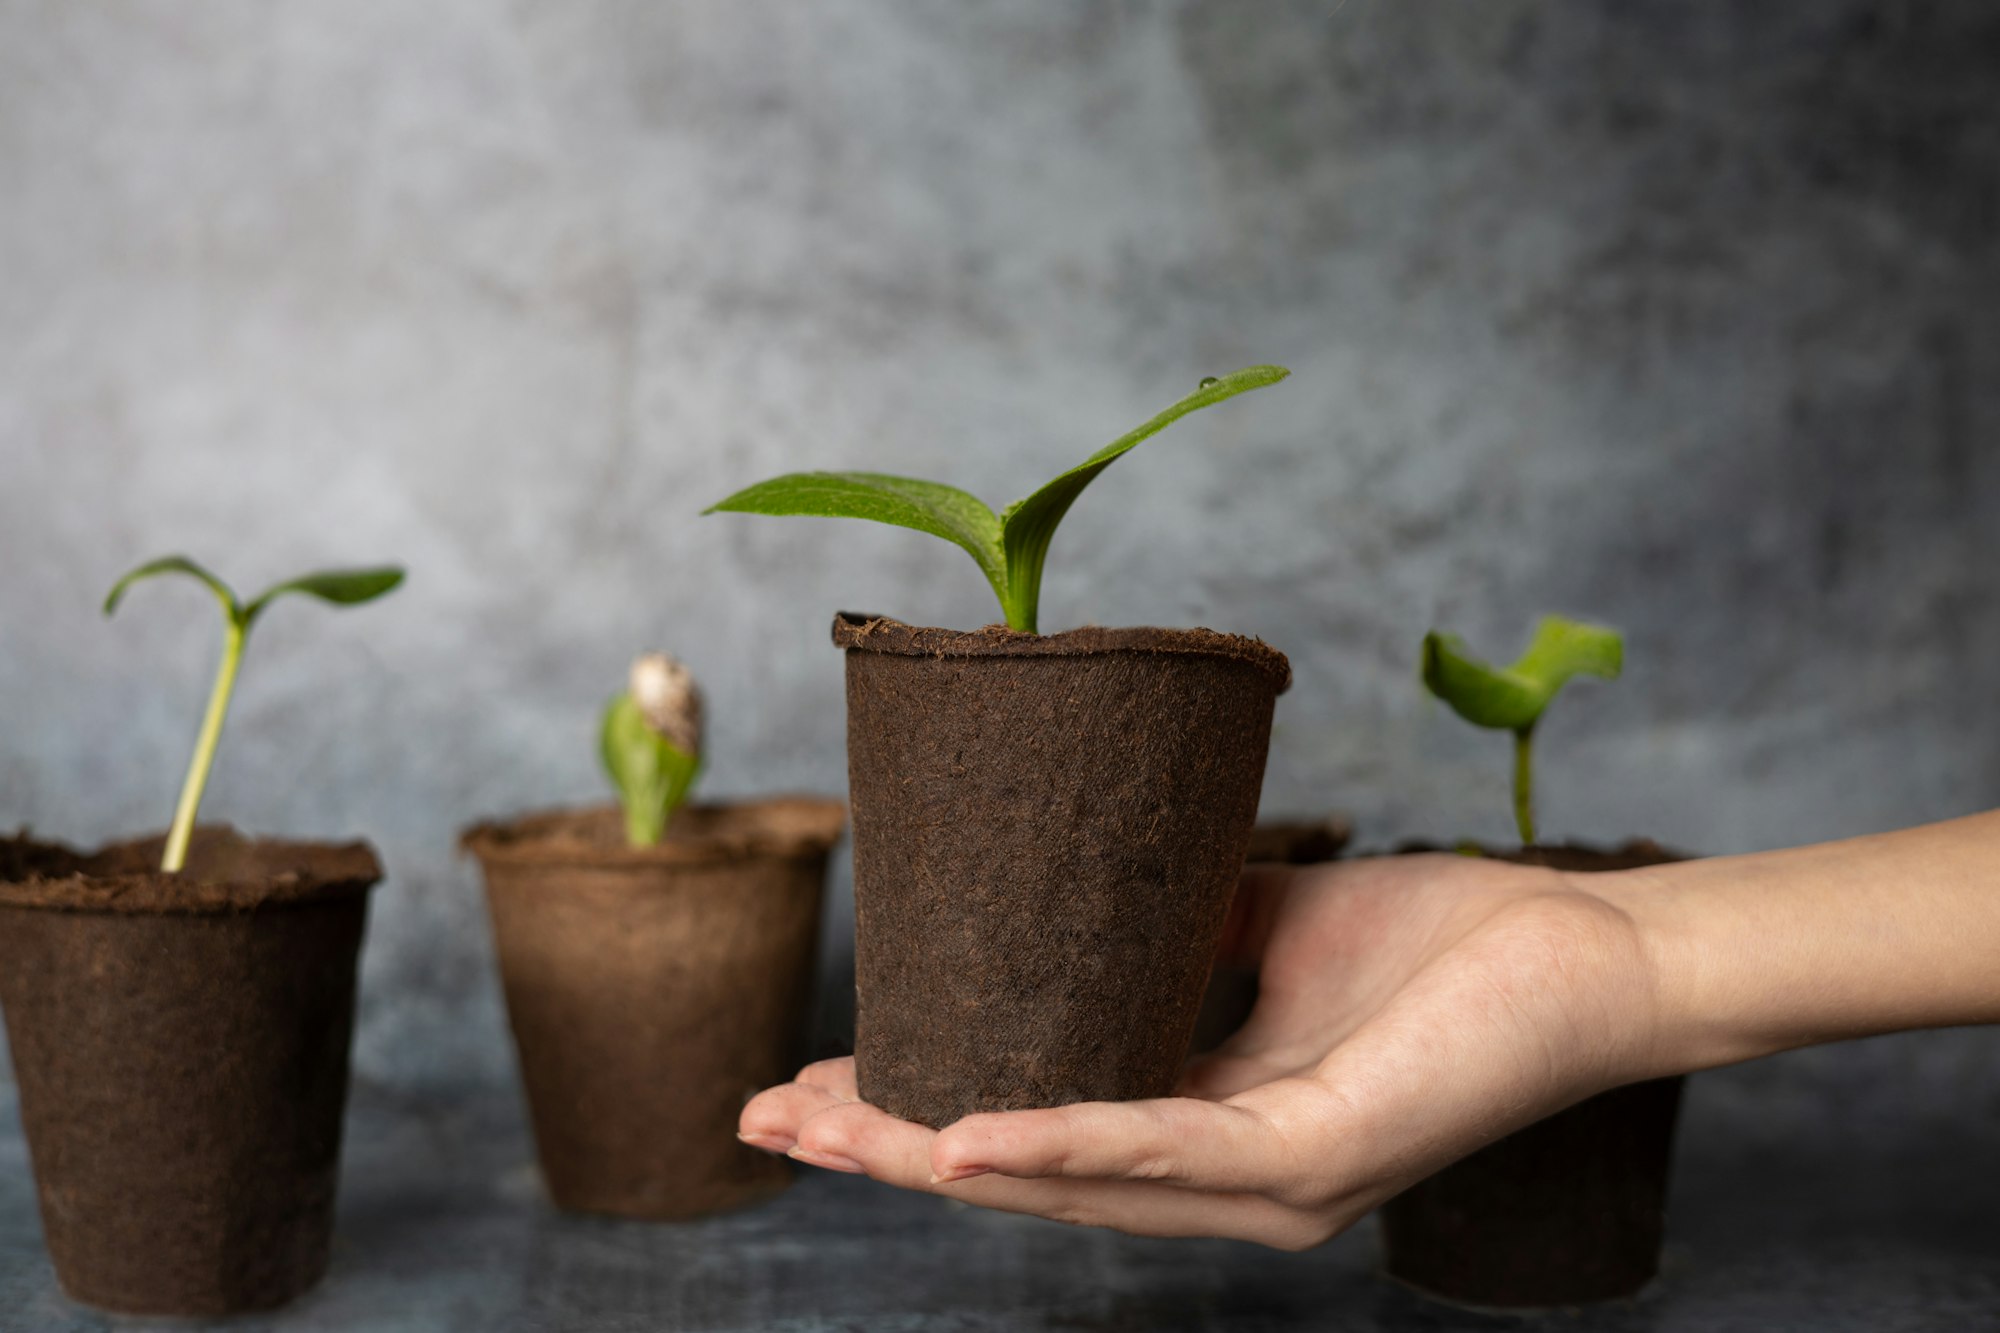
[1761, 953]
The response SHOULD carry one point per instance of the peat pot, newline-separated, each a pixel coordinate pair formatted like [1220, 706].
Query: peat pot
[180, 1044]
[652, 990]
[1048, 830]
[1569, 1210]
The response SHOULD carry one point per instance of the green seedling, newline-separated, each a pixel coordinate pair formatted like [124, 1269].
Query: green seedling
[1513, 698]
[341, 587]
[1009, 547]
[651, 745]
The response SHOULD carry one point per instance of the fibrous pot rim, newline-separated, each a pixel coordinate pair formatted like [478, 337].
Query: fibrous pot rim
[860, 632]
[709, 833]
[226, 872]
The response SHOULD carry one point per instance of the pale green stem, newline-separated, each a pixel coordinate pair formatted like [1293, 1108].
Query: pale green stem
[204, 749]
[1524, 784]
[1020, 617]
[645, 823]
[1020, 587]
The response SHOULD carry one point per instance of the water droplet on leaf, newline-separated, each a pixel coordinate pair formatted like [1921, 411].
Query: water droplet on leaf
[1207, 380]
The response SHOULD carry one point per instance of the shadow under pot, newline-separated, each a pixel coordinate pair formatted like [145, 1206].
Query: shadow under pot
[180, 1043]
[1232, 986]
[1047, 834]
[1569, 1210]
[652, 990]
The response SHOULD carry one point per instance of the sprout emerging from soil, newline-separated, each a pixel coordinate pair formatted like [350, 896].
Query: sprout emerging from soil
[651, 743]
[340, 587]
[1009, 547]
[1513, 698]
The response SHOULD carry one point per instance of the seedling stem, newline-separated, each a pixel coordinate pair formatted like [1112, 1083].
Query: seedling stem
[340, 587]
[204, 749]
[1524, 784]
[1513, 698]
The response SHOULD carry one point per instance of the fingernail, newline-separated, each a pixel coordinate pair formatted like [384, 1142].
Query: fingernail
[831, 1161]
[768, 1142]
[959, 1173]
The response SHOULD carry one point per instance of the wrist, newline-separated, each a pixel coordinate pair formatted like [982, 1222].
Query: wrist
[1678, 963]
[1748, 955]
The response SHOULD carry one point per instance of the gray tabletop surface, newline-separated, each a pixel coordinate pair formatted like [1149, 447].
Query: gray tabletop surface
[1853, 1187]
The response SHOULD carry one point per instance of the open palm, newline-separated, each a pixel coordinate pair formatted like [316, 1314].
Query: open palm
[1411, 1009]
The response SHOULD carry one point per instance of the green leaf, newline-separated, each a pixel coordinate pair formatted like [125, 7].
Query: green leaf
[1028, 525]
[341, 587]
[1513, 698]
[652, 774]
[174, 564]
[1011, 547]
[928, 506]
[1565, 648]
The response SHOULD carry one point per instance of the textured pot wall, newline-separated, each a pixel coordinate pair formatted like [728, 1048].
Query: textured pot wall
[1677, 315]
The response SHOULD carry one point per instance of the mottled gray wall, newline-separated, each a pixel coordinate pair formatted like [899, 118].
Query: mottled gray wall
[1677, 315]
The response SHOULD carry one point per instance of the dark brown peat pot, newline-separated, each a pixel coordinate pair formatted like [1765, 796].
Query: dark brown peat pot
[180, 1044]
[1571, 1209]
[1048, 830]
[652, 990]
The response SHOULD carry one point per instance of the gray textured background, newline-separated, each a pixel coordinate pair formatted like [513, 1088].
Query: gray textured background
[1677, 315]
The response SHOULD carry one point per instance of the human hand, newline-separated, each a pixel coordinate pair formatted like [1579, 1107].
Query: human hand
[1411, 1009]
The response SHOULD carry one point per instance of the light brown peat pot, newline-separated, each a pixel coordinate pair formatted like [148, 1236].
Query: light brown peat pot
[1571, 1209]
[181, 1044]
[652, 990]
[1048, 830]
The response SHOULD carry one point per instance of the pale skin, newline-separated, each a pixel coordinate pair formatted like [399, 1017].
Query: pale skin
[1414, 1008]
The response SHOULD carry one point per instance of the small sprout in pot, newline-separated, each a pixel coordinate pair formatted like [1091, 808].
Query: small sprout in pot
[1513, 698]
[652, 744]
[338, 587]
[1010, 547]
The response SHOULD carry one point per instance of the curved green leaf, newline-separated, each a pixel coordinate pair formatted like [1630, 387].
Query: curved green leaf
[1010, 548]
[928, 506]
[1565, 648]
[1513, 698]
[1028, 525]
[341, 587]
[652, 774]
[174, 564]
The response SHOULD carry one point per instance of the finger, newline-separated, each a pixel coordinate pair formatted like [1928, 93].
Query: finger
[772, 1118]
[1178, 1140]
[1142, 1208]
[856, 1136]
[896, 1152]
[1214, 1078]
[836, 1076]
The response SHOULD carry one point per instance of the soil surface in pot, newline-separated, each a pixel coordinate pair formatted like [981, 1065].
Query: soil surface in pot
[1232, 986]
[652, 990]
[180, 1044]
[1048, 830]
[1569, 1210]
